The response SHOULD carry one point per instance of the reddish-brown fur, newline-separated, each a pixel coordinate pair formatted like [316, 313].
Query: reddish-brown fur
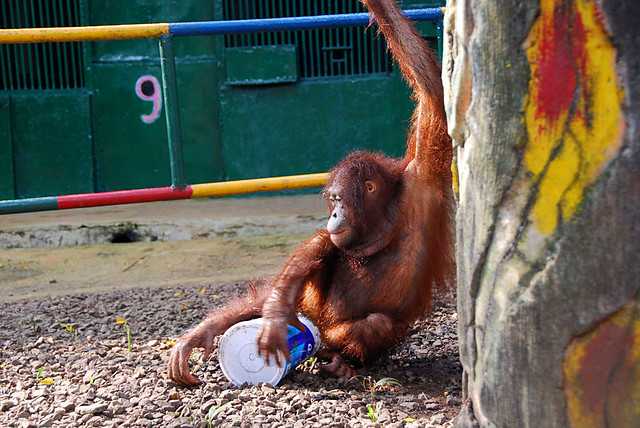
[363, 294]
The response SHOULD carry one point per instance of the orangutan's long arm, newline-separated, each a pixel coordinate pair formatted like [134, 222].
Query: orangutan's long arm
[279, 309]
[429, 145]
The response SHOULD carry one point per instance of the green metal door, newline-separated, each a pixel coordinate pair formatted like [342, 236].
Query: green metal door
[44, 109]
[7, 183]
[342, 94]
[128, 116]
[131, 140]
[52, 144]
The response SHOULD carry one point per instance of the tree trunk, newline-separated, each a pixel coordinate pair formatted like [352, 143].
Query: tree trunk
[543, 101]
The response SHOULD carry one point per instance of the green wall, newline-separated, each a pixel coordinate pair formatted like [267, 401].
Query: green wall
[51, 143]
[245, 112]
[7, 184]
[309, 126]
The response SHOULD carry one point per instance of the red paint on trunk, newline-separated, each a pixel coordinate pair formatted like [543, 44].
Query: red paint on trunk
[123, 197]
[602, 356]
[561, 62]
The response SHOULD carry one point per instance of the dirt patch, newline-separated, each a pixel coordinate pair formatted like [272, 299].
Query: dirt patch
[39, 273]
[154, 245]
[66, 362]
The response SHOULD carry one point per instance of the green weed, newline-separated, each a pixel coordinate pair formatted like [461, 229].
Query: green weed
[213, 412]
[125, 325]
[372, 412]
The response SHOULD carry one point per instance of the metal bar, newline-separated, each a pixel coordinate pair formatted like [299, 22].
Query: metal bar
[270, 184]
[28, 51]
[326, 55]
[308, 40]
[267, 12]
[259, 16]
[79, 34]
[145, 31]
[361, 34]
[172, 110]
[297, 6]
[36, 49]
[61, 48]
[231, 12]
[284, 13]
[275, 13]
[4, 83]
[72, 50]
[246, 39]
[293, 23]
[349, 35]
[48, 49]
[18, 56]
[121, 197]
[316, 50]
[5, 65]
[28, 205]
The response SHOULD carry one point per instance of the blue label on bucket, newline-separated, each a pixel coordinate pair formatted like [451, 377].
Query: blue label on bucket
[300, 343]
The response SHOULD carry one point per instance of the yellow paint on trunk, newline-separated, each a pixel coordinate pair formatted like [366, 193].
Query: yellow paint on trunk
[455, 180]
[573, 113]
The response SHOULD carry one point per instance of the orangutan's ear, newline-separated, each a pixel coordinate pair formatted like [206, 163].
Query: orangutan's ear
[370, 186]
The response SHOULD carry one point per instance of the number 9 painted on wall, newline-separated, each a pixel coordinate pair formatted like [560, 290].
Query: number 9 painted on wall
[148, 89]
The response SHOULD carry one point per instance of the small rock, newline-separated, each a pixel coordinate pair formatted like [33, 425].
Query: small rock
[138, 372]
[83, 419]
[20, 395]
[437, 419]
[89, 377]
[6, 405]
[384, 416]
[91, 409]
[408, 405]
[48, 420]
[146, 382]
[229, 394]
[431, 406]
[38, 393]
[401, 415]
[267, 389]
[24, 413]
[95, 421]
[204, 409]
[118, 410]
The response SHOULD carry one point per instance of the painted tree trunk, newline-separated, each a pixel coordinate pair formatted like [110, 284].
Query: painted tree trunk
[543, 101]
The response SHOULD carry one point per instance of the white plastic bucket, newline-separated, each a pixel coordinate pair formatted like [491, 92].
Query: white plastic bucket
[239, 359]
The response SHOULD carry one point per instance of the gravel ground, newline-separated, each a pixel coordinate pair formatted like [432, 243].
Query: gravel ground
[65, 361]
